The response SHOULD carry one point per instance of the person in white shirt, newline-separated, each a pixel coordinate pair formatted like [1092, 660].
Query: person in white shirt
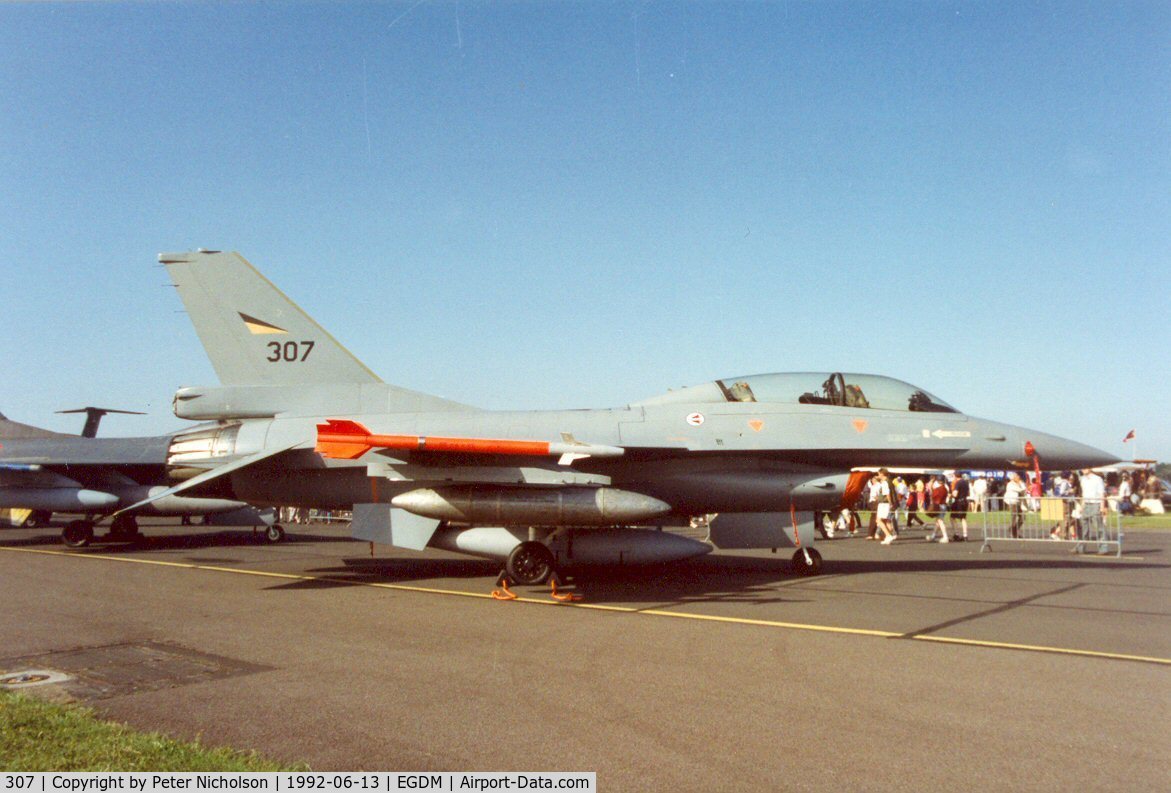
[884, 509]
[1125, 491]
[1063, 489]
[980, 493]
[1093, 501]
[872, 488]
[1014, 494]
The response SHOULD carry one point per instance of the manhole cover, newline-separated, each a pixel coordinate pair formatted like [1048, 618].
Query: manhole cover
[27, 678]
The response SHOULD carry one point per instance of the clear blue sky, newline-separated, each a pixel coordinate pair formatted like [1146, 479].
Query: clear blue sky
[543, 205]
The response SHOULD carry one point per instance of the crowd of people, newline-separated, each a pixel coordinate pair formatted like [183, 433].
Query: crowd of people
[946, 499]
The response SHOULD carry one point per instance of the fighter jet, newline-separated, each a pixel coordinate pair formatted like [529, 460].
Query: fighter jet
[301, 421]
[46, 472]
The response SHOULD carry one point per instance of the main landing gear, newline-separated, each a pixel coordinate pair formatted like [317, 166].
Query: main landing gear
[124, 527]
[270, 534]
[36, 519]
[78, 533]
[531, 562]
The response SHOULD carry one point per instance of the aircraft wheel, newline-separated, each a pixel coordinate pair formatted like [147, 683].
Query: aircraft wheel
[124, 527]
[530, 562]
[78, 534]
[37, 518]
[803, 567]
[274, 533]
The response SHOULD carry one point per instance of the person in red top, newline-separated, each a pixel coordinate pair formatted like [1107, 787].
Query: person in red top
[937, 491]
[914, 495]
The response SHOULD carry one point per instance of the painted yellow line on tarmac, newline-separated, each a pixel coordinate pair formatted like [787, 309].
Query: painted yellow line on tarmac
[1040, 648]
[600, 607]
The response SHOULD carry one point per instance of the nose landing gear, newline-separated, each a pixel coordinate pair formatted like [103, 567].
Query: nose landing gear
[806, 562]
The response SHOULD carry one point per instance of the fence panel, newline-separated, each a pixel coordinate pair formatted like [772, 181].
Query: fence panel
[1083, 524]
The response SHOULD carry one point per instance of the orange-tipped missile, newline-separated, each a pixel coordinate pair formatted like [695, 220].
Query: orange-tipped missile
[342, 439]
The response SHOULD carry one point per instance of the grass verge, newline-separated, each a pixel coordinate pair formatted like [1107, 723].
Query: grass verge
[43, 736]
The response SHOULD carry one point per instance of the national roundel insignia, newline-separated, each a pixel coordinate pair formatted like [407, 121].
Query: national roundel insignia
[695, 419]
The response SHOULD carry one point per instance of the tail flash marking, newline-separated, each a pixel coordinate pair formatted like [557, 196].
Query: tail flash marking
[258, 327]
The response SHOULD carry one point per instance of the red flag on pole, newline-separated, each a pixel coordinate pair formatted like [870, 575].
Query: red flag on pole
[1129, 436]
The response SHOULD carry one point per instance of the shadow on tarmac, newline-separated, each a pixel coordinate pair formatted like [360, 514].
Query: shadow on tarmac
[228, 537]
[716, 578]
[708, 579]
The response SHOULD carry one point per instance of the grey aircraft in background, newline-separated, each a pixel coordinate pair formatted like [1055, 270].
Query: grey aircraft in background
[300, 421]
[46, 472]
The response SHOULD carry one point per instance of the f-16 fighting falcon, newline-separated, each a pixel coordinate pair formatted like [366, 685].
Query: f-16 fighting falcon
[300, 421]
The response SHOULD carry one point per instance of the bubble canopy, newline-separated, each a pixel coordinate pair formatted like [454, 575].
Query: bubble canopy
[840, 389]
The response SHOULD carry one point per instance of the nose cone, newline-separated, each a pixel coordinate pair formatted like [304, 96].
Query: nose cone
[998, 446]
[1060, 453]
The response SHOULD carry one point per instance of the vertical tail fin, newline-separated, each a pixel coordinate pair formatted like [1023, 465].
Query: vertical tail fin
[252, 332]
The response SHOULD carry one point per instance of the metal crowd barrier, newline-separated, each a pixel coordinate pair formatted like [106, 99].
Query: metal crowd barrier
[1052, 519]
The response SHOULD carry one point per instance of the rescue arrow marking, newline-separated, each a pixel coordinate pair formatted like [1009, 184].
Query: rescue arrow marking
[952, 434]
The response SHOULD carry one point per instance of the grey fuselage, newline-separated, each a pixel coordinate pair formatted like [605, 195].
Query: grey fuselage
[696, 452]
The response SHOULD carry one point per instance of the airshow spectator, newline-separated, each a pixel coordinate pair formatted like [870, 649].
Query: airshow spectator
[971, 495]
[937, 491]
[1154, 488]
[884, 507]
[1125, 505]
[980, 493]
[1093, 500]
[900, 494]
[1035, 492]
[915, 503]
[1064, 490]
[1014, 495]
[960, 490]
[872, 488]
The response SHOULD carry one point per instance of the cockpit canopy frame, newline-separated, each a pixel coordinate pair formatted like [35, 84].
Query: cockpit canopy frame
[835, 389]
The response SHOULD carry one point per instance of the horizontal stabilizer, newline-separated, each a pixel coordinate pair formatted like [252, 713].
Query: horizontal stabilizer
[93, 418]
[343, 439]
[14, 429]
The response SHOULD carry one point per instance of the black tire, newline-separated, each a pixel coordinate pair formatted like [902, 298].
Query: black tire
[124, 527]
[36, 519]
[78, 534]
[806, 568]
[274, 533]
[530, 562]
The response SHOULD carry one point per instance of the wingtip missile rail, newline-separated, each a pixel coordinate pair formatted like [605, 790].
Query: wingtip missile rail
[342, 439]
